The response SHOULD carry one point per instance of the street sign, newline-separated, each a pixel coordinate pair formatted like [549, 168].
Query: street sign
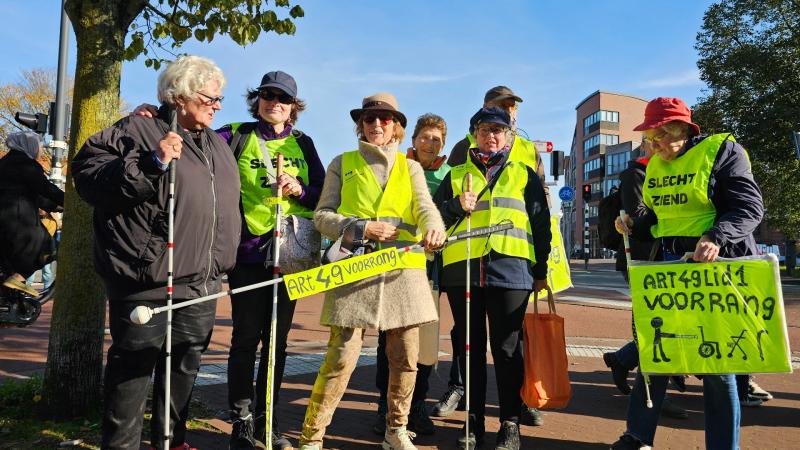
[547, 146]
[566, 194]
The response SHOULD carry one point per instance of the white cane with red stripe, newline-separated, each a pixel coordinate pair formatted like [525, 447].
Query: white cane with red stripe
[173, 126]
[468, 289]
[273, 325]
[627, 242]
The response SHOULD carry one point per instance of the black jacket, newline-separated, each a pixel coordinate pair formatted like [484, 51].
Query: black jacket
[736, 197]
[495, 269]
[24, 189]
[116, 173]
[631, 181]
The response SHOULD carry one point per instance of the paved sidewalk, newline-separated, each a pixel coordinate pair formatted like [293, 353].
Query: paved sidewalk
[594, 418]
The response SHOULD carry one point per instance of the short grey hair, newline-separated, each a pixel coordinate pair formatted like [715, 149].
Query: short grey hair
[185, 76]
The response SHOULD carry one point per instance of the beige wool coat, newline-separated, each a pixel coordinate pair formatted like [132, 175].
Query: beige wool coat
[399, 298]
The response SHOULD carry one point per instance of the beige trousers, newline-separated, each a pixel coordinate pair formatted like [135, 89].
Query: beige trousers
[344, 348]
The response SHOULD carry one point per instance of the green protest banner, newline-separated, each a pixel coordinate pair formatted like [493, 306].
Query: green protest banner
[340, 273]
[558, 276]
[703, 318]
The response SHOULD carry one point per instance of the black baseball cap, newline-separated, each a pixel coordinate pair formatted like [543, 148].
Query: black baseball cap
[280, 80]
[490, 115]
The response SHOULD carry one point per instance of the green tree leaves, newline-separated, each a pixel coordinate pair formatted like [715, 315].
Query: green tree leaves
[749, 53]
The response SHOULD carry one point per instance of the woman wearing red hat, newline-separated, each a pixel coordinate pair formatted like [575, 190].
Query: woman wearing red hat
[720, 206]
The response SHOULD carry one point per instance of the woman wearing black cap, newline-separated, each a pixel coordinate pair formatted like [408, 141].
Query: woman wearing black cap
[275, 106]
[506, 266]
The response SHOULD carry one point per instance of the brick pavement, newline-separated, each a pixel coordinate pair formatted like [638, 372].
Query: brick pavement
[593, 419]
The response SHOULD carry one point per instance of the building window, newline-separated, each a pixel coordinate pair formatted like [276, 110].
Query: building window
[598, 139]
[608, 184]
[589, 166]
[599, 116]
[617, 162]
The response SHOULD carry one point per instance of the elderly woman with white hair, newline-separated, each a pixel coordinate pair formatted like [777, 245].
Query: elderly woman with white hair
[122, 172]
[25, 244]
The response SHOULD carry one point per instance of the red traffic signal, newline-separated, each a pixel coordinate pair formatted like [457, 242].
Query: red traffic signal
[587, 192]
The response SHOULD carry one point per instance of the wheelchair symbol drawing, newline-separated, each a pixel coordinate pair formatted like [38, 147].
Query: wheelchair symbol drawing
[708, 349]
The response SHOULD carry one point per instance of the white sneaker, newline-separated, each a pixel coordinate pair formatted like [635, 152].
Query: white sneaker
[758, 392]
[398, 439]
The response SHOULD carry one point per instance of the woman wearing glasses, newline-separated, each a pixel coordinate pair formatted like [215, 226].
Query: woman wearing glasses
[123, 173]
[505, 267]
[718, 207]
[375, 197]
[275, 107]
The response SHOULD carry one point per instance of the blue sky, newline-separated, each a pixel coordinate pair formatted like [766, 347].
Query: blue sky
[435, 56]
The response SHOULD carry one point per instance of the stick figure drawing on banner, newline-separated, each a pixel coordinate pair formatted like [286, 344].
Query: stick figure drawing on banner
[734, 344]
[657, 323]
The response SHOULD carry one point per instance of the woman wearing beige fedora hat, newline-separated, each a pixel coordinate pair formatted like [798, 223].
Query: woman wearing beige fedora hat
[379, 198]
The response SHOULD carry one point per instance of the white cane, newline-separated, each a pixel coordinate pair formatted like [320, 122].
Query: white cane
[173, 126]
[273, 326]
[627, 242]
[468, 289]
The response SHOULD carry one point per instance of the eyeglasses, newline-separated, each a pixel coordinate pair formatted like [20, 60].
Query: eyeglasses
[654, 139]
[384, 117]
[485, 131]
[211, 100]
[282, 97]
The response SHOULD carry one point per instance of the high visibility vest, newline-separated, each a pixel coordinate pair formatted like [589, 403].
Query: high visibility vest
[677, 190]
[257, 183]
[522, 150]
[364, 198]
[505, 202]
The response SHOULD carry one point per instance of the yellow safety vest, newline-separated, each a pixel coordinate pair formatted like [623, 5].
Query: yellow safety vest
[677, 190]
[522, 150]
[503, 203]
[363, 197]
[257, 184]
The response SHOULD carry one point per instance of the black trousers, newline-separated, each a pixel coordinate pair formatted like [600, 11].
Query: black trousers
[382, 376]
[251, 314]
[505, 310]
[137, 350]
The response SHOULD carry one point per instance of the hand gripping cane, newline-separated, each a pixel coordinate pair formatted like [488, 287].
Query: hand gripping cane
[627, 242]
[273, 325]
[468, 181]
[173, 126]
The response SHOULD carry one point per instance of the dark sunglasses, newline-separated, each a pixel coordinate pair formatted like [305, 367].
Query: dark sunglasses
[282, 97]
[383, 117]
[211, 100]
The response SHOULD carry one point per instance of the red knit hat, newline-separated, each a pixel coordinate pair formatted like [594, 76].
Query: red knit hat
[663, 110]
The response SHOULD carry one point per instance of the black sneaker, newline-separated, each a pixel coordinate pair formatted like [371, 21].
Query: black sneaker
[628, 442]
[508, 437]
[619, 373]
[531, 416]
[279, 441]
[242, 434]
[679, 381]
[476, 432]
[451, 400]
[419, 421]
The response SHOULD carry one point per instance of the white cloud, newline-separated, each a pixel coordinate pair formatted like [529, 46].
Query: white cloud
[688, 78]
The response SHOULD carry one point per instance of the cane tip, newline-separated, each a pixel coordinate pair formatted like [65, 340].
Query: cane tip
[650, 404]
[141, 315]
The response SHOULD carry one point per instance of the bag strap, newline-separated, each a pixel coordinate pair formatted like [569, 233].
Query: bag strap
[551, 303]
[240, 138]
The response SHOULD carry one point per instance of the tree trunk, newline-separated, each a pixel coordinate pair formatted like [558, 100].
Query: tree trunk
[73, 374]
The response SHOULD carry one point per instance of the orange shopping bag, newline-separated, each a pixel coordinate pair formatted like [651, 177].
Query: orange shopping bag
[546, 382]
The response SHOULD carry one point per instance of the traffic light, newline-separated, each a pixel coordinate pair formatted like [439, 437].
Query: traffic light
[36, 122]
[557, 164]
[587, 192]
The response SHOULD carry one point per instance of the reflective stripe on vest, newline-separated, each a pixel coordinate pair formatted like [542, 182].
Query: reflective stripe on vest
[363, 197]
[522, 150]
[677, 190]
[257, 183]
[504, 203]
